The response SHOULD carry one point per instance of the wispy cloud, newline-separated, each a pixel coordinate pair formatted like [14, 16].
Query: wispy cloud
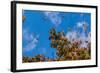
[84, 25]
[27, 36]
[31, 45]
[80, 24]
[31, 40]
[75, 35]
[71, 35]
[54, 17]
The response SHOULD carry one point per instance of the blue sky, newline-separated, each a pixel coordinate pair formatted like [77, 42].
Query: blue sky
[36, 28]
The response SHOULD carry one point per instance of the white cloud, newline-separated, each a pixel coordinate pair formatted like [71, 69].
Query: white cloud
[31, 45]
[72, 35]
[89, 37]
[75, 35]
[84, 42]
[79, 24]
[31, 40]
[54, 17]
[82, 25]
[27, 36]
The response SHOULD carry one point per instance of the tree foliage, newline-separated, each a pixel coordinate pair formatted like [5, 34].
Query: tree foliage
[66, 50]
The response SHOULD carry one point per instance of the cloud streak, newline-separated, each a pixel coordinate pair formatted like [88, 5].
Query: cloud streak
[30, 39]
[53, 17]
[31, 45]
